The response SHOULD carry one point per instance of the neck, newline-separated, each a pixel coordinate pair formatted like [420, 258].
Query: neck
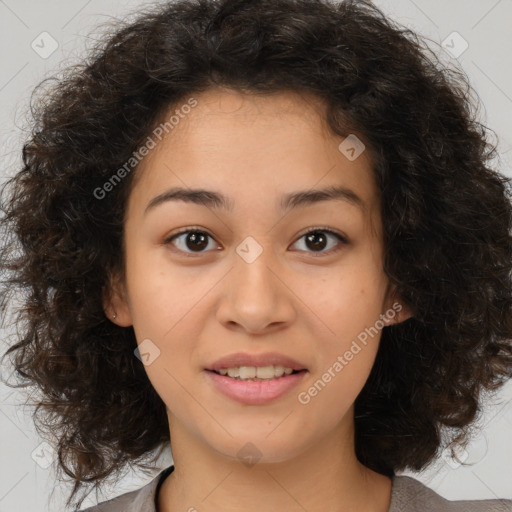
[327, 477]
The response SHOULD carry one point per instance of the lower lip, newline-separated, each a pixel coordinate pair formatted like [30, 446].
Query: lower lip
[255, 392]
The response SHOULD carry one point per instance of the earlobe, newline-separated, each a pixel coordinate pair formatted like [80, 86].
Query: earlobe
[397, 311]
[405, 313]
[115, 303]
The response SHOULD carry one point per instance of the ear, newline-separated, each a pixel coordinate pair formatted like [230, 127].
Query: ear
[395, 311]
[115, 302]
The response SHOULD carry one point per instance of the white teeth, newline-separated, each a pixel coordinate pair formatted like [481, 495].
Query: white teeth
[247, 372]
[234, 372]
[253, 372]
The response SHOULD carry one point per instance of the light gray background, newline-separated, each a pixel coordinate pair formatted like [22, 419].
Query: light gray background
[483, 24]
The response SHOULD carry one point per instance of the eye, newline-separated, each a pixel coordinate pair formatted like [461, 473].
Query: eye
[318, 238]
[196, 240]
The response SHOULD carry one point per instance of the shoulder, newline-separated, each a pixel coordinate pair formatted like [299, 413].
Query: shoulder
[411, 495]
[140, 500]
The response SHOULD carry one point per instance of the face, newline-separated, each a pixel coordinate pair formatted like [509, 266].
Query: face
[302, 278]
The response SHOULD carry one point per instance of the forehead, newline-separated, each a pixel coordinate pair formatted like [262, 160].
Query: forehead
[264, 143]
[220, 113]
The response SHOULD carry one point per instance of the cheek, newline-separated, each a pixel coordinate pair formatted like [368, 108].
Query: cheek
[162, 302]
[346, 302]
[347, 358]
[350, 307]
[161, 294]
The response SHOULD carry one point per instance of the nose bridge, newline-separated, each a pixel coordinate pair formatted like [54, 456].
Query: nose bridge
[255, 297]
[254, 278]
[252, 270]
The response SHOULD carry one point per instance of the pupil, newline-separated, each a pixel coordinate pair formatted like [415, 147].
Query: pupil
[316, 240]
[197, 241]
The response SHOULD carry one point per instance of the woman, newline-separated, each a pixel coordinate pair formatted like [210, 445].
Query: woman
[266, 232]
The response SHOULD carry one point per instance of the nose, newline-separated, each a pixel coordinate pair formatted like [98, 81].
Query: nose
[256, 297]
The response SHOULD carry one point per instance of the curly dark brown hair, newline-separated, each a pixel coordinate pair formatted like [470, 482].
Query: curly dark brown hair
[446, 215]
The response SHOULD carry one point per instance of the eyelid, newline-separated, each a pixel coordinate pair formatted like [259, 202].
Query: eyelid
[187, 229]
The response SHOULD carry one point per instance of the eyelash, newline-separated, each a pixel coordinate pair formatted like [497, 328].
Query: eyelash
[321, 229]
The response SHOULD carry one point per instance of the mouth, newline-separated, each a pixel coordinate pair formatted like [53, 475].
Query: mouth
[259, 365]
[256, 374]
[250, 390]
[255, 379]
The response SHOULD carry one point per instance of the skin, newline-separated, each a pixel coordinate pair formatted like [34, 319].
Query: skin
[306, 303]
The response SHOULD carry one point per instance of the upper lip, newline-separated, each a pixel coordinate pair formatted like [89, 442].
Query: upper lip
[265, 359]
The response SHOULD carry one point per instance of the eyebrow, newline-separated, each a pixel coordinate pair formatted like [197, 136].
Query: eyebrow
[216, 200]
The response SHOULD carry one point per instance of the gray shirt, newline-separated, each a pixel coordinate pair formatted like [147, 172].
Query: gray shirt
[407, 495]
